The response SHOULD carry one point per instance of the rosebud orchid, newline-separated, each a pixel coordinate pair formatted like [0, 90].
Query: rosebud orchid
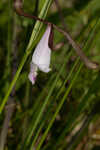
[41, 56]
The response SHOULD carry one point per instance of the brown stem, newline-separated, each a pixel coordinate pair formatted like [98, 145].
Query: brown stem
[61, 15]
[18, 5]
[90, 64]
[77, 48]
[11, 101]
[19, 10]
[8, 115]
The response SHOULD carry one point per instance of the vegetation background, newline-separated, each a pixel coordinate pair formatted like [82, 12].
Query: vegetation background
[61, 111]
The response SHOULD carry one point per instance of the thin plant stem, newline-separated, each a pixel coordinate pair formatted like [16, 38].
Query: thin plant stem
[8, 115]
[61, 103]
[18, 5]
[11, 103]
[55, 97]
[30, 46]
[44, 105]
[58, 109]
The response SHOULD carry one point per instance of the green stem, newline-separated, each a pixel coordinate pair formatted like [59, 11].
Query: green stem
[58, 109]
[30, 46]
[13, 82]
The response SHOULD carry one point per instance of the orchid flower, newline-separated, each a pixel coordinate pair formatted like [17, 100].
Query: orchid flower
[41, 56]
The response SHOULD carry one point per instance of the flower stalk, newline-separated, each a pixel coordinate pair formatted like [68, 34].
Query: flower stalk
[90, 64]
[31, 45]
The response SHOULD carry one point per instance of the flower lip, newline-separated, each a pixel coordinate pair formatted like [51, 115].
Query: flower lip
[32, 78]
[33, 73]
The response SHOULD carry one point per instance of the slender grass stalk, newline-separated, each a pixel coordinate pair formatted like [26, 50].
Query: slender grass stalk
[26, 104]
[94, 88]
[44, 105]
[50, 102]
[58, 109]
[8, 112]
[38, 103]
[9, 47]
[65, 96]
[82, 105]
[30, 46]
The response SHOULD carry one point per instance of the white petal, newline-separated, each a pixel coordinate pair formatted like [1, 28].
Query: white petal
[42, 53]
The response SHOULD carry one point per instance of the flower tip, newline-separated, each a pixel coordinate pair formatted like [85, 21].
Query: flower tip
[32, 78]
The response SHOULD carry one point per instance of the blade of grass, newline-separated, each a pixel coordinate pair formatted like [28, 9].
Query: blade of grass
[81, 106]
[65, 96]
[44, 104]
[30, 46]
[58, 109]
[68, 56]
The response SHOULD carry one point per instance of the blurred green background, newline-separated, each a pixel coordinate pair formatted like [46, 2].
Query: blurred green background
[61, 111]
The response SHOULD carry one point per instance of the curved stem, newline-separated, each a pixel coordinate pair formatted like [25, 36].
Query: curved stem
[29, 48]
[18, 5]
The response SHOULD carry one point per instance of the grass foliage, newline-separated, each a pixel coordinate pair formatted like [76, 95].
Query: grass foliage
[61, 111]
